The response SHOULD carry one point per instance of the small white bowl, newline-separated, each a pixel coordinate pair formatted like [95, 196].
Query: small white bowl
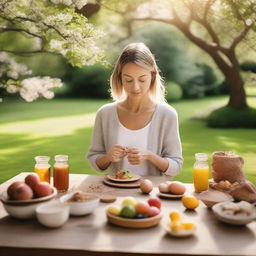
[24, 209]
[234, 220]
[53, 214]
[81, 208]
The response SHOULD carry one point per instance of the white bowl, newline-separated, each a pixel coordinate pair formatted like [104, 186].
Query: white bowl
[24, 209]
[81, 208]
[53, 214]
[234, 220]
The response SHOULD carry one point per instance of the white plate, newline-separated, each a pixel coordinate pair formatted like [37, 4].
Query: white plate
[181, 233]
[134, 178]
[234, 220]
[169, 195]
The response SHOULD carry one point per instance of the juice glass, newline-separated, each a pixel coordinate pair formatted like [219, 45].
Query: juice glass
[43, 168]
[201, 172]
[61, 173]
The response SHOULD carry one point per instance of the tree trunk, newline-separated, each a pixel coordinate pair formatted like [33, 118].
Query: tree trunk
[237, 94]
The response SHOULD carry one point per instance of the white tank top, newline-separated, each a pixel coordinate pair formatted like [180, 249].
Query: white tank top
[133, 139]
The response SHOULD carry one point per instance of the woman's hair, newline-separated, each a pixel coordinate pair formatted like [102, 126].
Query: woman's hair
[139, 54]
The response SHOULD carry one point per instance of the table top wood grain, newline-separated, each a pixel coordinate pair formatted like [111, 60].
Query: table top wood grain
[93, 235]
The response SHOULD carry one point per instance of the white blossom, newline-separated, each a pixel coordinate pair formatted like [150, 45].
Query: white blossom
[12, 88]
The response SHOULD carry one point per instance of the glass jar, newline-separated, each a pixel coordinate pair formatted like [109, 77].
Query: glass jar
[201, 172]
[43, 168]
[61, 173]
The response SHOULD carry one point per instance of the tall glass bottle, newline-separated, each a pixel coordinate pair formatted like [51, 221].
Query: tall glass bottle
[61, 173]
[201, 172]
[43, 168]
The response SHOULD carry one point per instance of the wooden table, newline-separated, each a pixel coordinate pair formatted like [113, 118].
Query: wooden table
[92, 235]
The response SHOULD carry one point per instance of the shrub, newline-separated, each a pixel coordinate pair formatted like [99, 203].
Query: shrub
[173, 91]
[228, 117]
[249, 66]
[88, 82]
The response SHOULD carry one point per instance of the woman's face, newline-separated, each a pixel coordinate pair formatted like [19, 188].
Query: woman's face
[135, 80]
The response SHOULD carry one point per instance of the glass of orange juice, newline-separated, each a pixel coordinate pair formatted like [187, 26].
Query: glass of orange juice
[43, 168]
[61, 173]
[201, 172]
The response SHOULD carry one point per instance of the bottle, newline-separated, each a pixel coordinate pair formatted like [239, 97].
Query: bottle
[201, 172]
[61, 173]
[43, 168]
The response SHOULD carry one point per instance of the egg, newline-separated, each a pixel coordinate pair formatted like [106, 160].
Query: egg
[146, 186]
[177, 188]
[163, 188]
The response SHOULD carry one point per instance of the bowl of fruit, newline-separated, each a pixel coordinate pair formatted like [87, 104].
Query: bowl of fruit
[23, 197]
[134, 214]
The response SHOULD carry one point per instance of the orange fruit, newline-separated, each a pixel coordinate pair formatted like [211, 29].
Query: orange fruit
[190, 202]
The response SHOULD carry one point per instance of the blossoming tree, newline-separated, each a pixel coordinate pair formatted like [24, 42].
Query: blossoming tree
[53, 26]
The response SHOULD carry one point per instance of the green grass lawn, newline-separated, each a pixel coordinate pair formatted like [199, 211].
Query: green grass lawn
[64, 126]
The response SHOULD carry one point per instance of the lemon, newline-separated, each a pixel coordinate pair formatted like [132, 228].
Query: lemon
[129, 201]
[114, 210]
[188, 225]
[175, 216]
[190, 202]
[176, 226]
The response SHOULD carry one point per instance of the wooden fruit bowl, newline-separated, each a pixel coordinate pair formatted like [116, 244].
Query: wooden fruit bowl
[134, 223]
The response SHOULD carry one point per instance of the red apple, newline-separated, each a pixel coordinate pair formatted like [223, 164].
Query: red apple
[154, 201]
[43, 189]
[22, 192]
[32, 180]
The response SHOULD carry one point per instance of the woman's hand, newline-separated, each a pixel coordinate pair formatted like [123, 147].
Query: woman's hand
[116, 153]
[137, 156]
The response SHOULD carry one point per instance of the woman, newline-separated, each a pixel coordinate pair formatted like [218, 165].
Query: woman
[139, 131]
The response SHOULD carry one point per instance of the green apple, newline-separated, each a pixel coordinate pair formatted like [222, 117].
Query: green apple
[128, 211]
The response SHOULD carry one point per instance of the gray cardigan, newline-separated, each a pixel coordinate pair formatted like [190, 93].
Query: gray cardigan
[163, 137]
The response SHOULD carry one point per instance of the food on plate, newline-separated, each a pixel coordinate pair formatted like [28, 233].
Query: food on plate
[178, 225]
[163, 188]
[28, 189]
[190, 202]
[177, 188]
[146, 186]
[154, 201]
[135, 210]
[242, 209]
[173, 188]
[80, 197]
[123, 174]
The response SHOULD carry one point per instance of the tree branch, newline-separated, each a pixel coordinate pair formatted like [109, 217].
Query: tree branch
[19, 30]
[240, 37]
[28, 52]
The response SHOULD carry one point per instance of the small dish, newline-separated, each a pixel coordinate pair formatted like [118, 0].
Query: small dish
[79, 208]
[212, 197]
[169, 195]
[134, 223]
[134, 178]
[53, 214]
[24, 209]
[234, 220]
[181, 233]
